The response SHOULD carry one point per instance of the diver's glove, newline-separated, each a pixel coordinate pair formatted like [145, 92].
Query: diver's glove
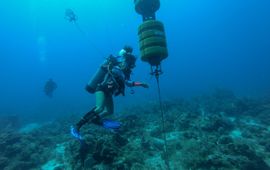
[145, 85]
[75, 133]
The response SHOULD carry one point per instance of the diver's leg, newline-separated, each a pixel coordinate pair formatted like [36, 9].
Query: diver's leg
[100, 101]
[109, 107]
[100, 104]
[92, 114]
[85, 119]
[108, 111]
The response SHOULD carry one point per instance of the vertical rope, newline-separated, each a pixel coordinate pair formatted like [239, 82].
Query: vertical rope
[163, 125]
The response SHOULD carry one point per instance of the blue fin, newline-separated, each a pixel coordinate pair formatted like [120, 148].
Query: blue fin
[111, 124]
[75, 133]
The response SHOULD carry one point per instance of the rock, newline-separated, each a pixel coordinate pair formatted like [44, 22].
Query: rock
[9, 121]
[190, 135]
[59, 167]
[89, 162]
[267, 147]
[146, 143]
[216, 123]
[108, 155]
[22, 165]
[3, 162]
[119, 140]
[13, 150]
[137, 166]
[225, 140]
[216, 161]
[11, 138]
[104, 153]
[156, 131]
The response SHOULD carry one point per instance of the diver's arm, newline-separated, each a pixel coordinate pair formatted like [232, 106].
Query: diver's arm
[130, 83]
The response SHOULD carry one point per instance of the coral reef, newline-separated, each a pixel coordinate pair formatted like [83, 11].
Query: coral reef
[9, 122]
[218, 131]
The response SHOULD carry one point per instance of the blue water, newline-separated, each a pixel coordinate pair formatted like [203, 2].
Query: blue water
[211, 44]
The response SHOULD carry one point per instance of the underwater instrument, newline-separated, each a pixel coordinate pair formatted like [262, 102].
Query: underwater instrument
[153, 49]
[152, 38]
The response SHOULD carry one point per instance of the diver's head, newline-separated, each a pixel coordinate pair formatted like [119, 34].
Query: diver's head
[128, 59]
[128, 62]
[125, 50]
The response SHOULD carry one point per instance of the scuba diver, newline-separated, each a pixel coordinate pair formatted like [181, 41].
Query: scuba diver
[71, 16]
[110, 79]
[49, 88]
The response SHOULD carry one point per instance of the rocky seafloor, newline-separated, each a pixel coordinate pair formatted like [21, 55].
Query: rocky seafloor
[209, 132]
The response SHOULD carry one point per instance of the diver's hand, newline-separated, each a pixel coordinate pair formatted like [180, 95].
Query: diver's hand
[145, 85]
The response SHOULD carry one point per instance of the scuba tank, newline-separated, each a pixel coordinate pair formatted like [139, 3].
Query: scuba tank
[96, 79]
[100, 73]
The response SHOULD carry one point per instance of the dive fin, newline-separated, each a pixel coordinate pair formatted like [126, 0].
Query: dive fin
[75, 133]
[111, 124]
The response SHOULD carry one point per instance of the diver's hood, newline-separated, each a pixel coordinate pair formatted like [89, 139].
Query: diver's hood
[122, 52]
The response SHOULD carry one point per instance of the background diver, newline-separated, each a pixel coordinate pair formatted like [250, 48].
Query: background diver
[70, 15]
[110, 79]
[49, 88]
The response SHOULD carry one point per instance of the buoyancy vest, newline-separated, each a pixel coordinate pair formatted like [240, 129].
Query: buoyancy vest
[114, 81]
[99, 76]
